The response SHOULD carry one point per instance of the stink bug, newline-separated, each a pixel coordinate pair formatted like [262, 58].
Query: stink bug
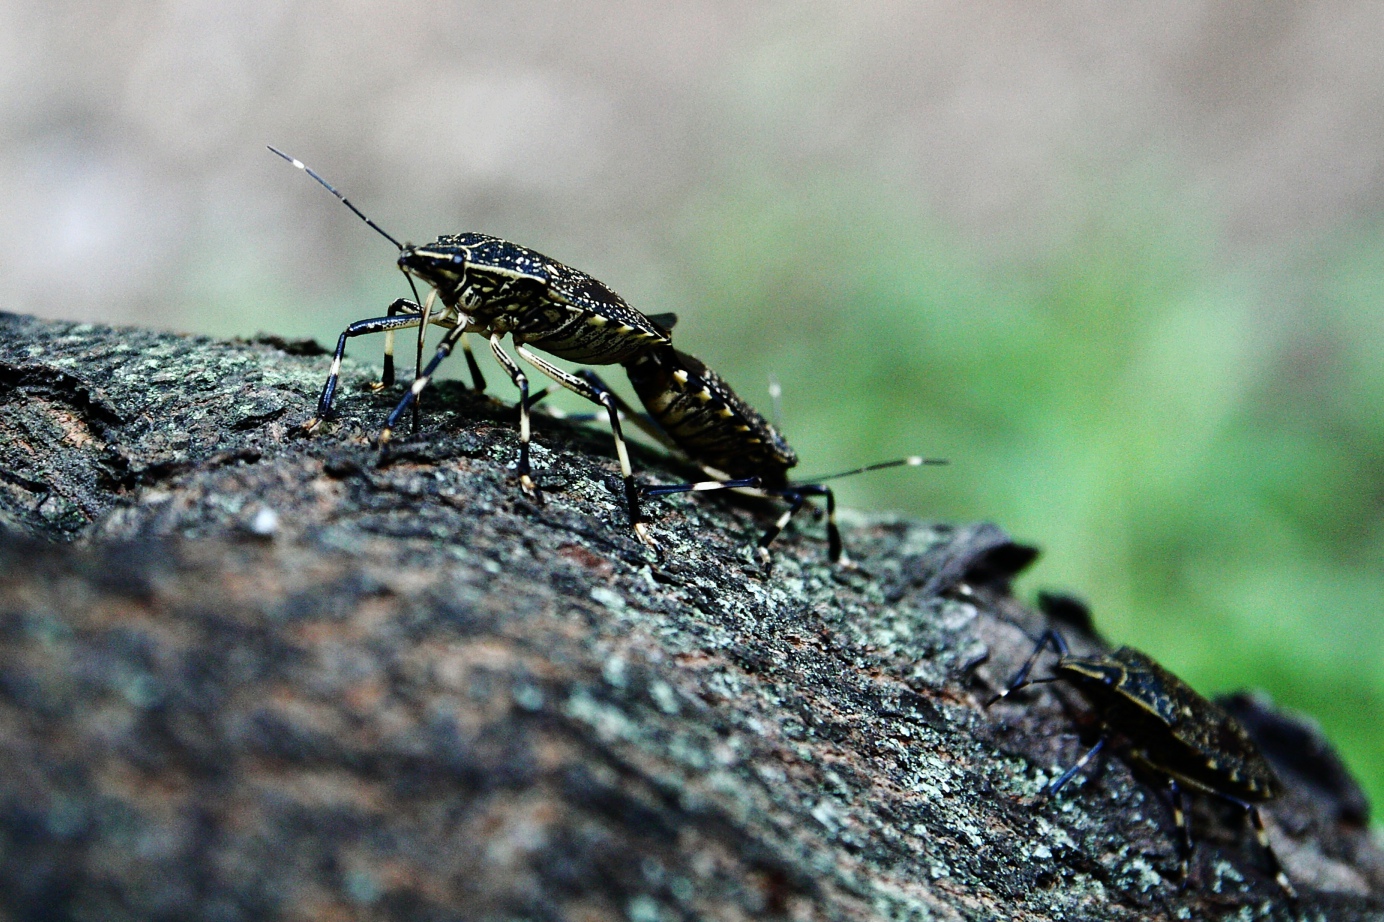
[694, 410]
[1163, 727]
[482, 284]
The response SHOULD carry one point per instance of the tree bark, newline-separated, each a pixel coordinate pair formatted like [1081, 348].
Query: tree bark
[250, 674]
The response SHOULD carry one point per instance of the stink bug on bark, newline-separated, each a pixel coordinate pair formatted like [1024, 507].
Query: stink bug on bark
[485, 285]
[695, 411]
[1164, 728]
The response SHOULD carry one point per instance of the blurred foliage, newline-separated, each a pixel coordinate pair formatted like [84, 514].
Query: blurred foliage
[1200, 452]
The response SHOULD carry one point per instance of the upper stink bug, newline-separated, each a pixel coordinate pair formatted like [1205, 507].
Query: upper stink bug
[482, 284]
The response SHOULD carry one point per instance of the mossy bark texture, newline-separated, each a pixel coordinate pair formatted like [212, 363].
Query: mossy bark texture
[251, 674]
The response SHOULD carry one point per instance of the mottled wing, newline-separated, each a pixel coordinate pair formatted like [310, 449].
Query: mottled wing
[1214, 738]
[584, 292]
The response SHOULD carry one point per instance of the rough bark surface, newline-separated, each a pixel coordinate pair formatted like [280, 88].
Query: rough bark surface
[247, 674]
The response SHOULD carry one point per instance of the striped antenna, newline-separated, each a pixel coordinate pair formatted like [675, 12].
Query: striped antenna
[344, 200]
[910, 461]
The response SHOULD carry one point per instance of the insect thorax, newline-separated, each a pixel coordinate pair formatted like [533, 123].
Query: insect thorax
[503, 302]
[507, 288]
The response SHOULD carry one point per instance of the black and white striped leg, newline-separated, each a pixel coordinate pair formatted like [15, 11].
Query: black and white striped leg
[1020, 679]
[596, 392]
[795, 502]
[796, 496]
[477, 379]
[444, 349]
[1183, 821]
[704, 486]
[521, 381]
[1052, 789]
[1256, 819]
[418, 353]
[643, 421]
[401, 306]
[387, 325]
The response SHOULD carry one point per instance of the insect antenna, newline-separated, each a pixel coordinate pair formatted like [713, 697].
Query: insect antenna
[344, 200]
[1020, 678]
[910, 461]
[422, 327]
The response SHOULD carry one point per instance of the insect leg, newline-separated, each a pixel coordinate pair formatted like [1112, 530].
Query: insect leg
[1070, 773]
[835, 549]
[1256, 818]
[477, 379]
[1020, 679]
[444, 349]
[521, 381]
[705, 486]
[795, 502]
[796, 497]
[1183, 819]
[422, 338]
[795, 494]
[645, 422]
[600, 395]
[359, 328]
[401, 306]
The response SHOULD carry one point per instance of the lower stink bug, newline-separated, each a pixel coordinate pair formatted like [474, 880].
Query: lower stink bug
[693, 409]
[1165, 729]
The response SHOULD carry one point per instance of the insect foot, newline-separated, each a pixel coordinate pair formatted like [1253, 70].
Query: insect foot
[493, 288]
[1165, 730]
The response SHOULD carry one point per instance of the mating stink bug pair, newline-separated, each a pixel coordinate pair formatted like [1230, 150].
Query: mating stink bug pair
[485, 285]
[1165, 729]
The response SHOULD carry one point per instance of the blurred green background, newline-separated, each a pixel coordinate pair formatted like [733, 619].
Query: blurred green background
[1123, 266]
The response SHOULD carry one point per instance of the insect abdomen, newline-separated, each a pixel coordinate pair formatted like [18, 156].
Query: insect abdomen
[594, 340]
[706, 419]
